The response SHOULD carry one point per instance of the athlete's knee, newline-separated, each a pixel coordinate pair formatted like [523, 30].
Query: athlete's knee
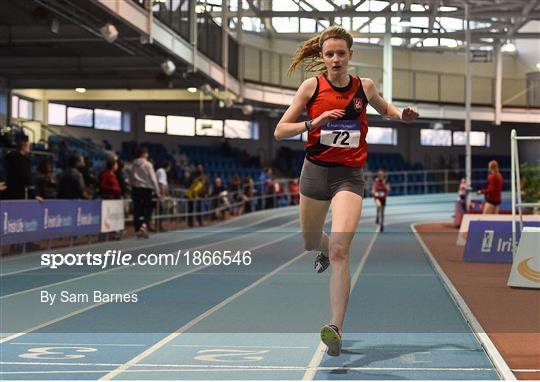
[338, 252]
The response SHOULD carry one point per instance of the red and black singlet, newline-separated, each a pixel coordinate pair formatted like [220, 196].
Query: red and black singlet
[341, 142]
[380, 189]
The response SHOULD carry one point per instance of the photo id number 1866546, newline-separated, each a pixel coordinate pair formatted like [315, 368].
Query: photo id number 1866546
[218, 258]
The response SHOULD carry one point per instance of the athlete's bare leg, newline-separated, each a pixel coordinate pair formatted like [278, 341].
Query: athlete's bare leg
[346, 211]
[489, 208]
[312, 216]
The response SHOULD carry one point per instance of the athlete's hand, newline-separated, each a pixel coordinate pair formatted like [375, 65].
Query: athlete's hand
[409, 114]
[328, 116]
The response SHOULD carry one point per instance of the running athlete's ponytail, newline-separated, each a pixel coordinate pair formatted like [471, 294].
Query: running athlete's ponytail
[309, 52]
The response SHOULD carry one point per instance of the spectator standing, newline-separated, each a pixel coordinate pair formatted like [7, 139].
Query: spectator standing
[45, 182]
[220, 199]
[493, 190]
[143, 182]
[71, 185]
[108, 182]
[249, 191]
[18, 171]
[198, 188]
[166, 204]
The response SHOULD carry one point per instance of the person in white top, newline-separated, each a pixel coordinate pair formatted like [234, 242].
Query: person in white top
[143, 181]
[162, 178]
[166, 204]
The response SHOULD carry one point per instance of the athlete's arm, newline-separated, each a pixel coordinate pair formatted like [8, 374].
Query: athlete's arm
[387, 110]
[288, 127]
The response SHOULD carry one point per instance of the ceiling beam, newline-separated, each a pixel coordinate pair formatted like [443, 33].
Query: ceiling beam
[480, 15]
[523, 20]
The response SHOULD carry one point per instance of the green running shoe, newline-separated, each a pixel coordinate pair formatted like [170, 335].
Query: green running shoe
[331, 337]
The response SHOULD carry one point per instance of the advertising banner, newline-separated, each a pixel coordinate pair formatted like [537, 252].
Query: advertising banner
[491, 241]
[20, 221]
[526, 267]
[112, 215]
[30, 220]
[468, 218]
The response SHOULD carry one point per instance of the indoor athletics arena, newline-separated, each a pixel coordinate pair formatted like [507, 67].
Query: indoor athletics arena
[270, 189]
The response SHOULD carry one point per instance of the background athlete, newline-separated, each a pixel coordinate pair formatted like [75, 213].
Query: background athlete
[380, 190]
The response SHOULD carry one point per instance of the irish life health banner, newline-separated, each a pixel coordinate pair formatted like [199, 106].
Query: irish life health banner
[30, 220]
[491, 241]
[63, 218]
[20, 221]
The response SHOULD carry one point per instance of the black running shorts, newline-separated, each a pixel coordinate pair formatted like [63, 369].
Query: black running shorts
[322, 183]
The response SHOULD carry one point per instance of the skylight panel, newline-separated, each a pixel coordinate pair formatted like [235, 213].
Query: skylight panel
[320, 5]
[285, 5]
[451, 24]
[420, 22]
[396, 41]
[307, 25]
[285, 24]
[357, 21]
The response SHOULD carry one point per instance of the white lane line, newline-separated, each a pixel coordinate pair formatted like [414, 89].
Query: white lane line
[99, 273]
[526, 370]
[21, 271]
[241, 346]
[63, 281]
[496, 358]
[239, 367]
[71, 344]
[316, 360]
[16, 335]
[202, 234]
[181, 367]
[198, 319]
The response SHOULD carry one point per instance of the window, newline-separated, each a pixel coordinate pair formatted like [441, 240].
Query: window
[14, 107]
[26, 109]
[478, 138]
[57, 114]
[209, 127]
[241, 129]
[108, 119]
[80, 117]
[180, 125]
[382, 136]
[431, 137]
[22, 108]
[155, 124]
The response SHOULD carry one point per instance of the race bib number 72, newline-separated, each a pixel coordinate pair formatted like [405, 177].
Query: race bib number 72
[341, 133]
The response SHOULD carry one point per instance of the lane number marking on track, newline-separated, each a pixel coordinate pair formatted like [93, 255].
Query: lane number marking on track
[230, 355]
[51, 353]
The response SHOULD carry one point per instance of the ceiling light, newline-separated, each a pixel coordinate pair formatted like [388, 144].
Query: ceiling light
[199, 8]
[109, 32]
[80, 90]
[192, 90]
[508, 48]
[168, 67]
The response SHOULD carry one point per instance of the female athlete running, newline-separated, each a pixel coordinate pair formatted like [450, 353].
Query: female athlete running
[336, 151]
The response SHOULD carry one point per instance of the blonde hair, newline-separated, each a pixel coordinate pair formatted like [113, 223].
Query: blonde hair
[309, 53]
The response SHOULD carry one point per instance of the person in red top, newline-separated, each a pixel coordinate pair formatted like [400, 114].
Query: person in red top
[493, 191]
[336, 151]
[108, 182]
[380, 190]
